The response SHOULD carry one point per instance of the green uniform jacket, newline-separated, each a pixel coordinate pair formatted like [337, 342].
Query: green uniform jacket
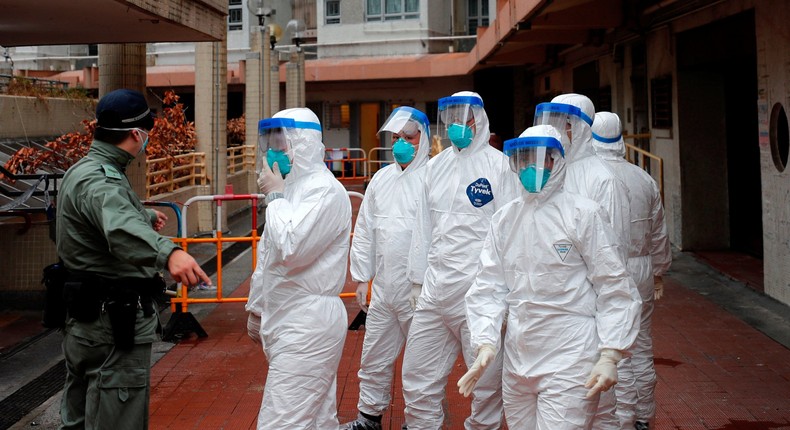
[102, 227]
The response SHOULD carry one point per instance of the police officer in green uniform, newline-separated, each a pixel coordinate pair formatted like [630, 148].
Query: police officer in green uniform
[109, 243]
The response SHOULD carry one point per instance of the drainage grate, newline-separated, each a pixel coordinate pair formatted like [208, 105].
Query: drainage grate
[14, 407]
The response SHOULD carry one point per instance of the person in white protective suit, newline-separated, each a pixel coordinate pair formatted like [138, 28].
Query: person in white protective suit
[649, 257]
[590, 177]
[380, 252]
[465, 184]
[551, 264]
[294, 305]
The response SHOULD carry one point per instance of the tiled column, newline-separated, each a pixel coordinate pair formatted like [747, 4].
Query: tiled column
[123, 66]
[211, 104]
[294, 80]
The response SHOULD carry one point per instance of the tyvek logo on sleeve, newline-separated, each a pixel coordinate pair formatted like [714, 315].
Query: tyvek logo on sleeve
[480, 192]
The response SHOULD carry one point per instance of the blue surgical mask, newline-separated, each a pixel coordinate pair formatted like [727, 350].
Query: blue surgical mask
[460, 134]
[527, 177]
[403, 151]
[282, 160]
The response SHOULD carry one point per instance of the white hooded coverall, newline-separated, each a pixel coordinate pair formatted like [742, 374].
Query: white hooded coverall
[591, 177]
[463, 190]
[552, 261]
[302, 264]
[649, 255]
[380, 251]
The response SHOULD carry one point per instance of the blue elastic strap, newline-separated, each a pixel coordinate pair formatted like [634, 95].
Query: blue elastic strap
[563, 108]
[511, 145]
[445, 102]
[607, 139]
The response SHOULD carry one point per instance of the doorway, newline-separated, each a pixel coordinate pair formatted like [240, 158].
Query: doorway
[719, 152]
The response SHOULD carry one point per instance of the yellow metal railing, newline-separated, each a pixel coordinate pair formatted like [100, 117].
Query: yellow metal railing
[171, 173]
[642, 158]
[241, 158]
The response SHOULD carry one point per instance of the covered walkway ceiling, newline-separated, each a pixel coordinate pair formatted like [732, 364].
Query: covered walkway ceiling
[65, 22]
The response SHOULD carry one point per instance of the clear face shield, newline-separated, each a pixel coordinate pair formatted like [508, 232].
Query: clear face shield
[532, 159]
[561, 116]
[404, 129]
[274, 137]
[456, 122]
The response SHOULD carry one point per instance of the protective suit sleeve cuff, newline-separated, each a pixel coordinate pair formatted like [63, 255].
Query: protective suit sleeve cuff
[487, 346]
[164, 253]
[613, 355]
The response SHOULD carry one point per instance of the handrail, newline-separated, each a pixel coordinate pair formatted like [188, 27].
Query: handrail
[641, 157]
[178, 170]
[240, 157]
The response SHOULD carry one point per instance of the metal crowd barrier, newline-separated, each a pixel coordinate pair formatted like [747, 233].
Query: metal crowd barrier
[345, 162]
[378, 158]
[182, 321]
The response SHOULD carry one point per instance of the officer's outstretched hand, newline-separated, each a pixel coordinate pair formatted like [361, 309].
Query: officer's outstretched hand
[485, 355]
[271, 181]
[183, 268]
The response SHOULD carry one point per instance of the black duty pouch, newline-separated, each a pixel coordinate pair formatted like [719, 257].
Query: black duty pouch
[82, 298]
[121, 307]
[54, 315]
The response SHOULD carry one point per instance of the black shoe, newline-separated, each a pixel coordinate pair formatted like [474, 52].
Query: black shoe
[361, 423]
[641, 425]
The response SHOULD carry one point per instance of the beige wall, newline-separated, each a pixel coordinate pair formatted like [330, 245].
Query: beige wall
[773, 56]
[34, 117]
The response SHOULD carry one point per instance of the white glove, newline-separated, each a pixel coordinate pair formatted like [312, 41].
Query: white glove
[658, 281]
[604, 373]
[362, 296]
[271, 181]
[485, 355]
[254, 328]
[416, 289]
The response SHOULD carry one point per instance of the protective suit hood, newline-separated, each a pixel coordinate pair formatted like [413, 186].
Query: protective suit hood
[307, 149]
[581, 143]
[557, 178]
[607, 136]
[402, 118]
[482, 133]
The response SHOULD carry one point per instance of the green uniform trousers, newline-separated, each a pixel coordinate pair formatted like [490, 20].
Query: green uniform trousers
[105, 388]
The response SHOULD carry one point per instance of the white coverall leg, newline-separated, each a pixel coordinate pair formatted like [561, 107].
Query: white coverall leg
[379, 353]
[435, 339]
[299, 383]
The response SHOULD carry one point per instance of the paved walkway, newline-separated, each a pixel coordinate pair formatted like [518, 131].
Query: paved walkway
[714, 372]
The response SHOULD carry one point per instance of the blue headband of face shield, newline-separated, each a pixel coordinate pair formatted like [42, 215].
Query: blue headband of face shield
[417, 116]
[607, 139]
[446, 102]
[562, 108]
[511, 145]
[272, 123]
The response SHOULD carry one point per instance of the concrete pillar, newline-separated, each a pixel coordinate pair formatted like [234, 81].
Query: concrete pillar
[211, 106]
[274, 86]
[253, 89]
[294, 80]
[123, 66]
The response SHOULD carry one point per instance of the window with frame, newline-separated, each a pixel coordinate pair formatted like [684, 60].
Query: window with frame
[332, 11]
[339, 115]
[390, 10]
[476, 15]
[235, 15]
